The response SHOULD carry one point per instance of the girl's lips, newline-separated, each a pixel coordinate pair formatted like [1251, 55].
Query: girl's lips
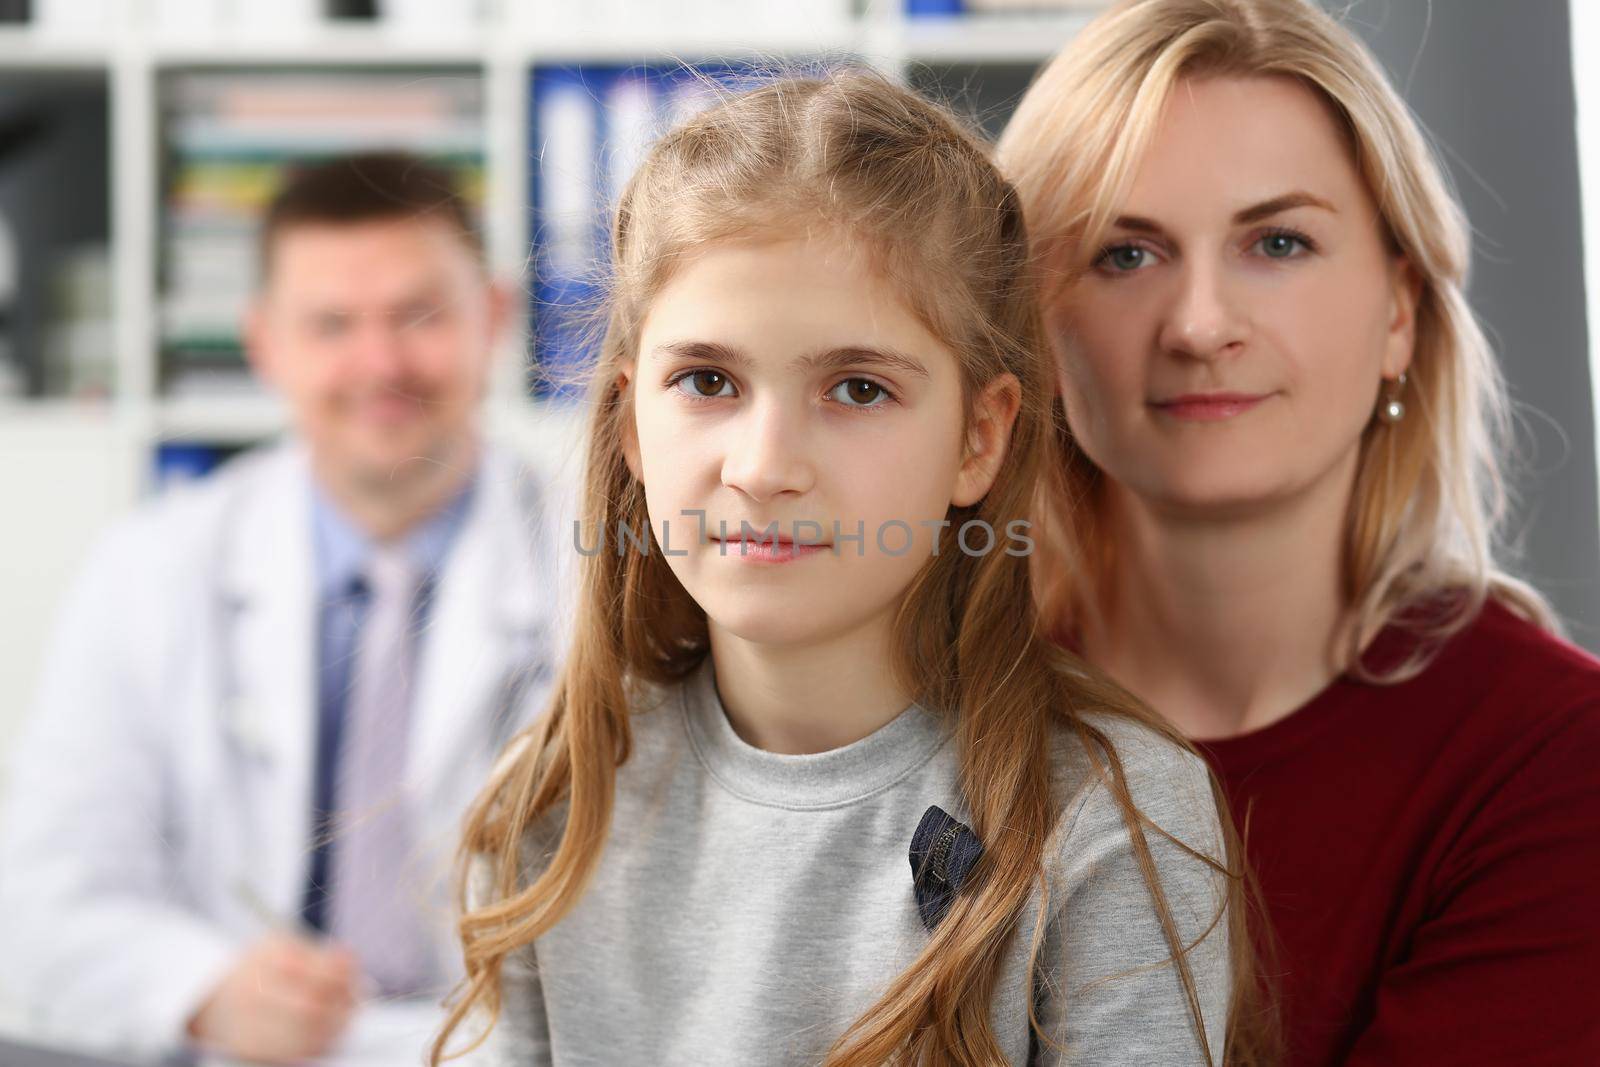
[780, 551]
[1209, 407]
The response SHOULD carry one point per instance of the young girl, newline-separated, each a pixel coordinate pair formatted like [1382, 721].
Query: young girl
[1277, 505]
[824, 388]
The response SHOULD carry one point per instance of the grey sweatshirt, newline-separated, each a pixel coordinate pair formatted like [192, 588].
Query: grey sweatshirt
[749, 905]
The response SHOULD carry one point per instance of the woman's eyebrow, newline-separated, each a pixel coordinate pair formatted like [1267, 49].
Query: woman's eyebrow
[828, 359]
[1254, 213]
[1138, 224]
[1286, 202]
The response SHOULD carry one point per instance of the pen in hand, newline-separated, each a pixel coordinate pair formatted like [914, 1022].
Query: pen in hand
[295, 926]
[288, 996]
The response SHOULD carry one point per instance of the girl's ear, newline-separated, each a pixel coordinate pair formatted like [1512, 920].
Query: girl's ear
[630, 426]
[994, 412]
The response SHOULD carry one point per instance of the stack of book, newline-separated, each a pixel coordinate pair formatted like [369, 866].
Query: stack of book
[231, 137]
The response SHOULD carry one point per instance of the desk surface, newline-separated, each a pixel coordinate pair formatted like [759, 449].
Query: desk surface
[15, 1055]
[384, 1034]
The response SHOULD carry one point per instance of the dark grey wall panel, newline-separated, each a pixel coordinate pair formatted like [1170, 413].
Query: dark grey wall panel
[1492, 83]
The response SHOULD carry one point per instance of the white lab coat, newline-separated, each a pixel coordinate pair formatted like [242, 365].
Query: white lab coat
[168, 760]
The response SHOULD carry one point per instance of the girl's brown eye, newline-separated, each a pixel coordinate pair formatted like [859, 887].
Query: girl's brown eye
[704, 383]
[860, 392]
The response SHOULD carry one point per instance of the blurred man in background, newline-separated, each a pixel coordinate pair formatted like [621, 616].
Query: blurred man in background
[271, 697]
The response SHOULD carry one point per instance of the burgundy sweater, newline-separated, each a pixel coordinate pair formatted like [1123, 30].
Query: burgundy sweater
[1429, 855]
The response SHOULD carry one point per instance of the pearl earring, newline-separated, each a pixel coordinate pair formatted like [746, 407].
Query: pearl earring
[1393, 410]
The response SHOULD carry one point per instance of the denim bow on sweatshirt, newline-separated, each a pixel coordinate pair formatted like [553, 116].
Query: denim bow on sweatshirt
[943, 853]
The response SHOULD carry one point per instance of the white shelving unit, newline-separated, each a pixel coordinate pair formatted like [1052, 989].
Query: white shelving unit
[132, 52]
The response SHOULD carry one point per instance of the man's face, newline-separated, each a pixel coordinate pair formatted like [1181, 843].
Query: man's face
[379, 337]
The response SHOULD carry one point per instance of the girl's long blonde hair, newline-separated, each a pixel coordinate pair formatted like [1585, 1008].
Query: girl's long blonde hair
[1429, 494]
[905, 181]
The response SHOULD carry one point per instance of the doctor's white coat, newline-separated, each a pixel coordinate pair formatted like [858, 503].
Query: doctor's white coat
[164, 774]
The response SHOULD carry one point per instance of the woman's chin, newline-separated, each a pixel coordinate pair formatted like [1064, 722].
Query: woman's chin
[1224, 497]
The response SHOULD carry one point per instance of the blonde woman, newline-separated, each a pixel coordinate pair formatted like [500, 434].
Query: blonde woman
[1274, 520]
[824, 377]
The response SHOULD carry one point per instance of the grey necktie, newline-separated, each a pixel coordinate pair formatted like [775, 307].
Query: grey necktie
[378, 904]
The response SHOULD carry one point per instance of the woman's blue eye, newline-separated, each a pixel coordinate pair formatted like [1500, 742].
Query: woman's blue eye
[859, 392]
[1126, 258]
[704, 384]
[1281, 245]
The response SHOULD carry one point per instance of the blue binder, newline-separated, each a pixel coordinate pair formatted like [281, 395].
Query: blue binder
[177, 462]
[591, 126]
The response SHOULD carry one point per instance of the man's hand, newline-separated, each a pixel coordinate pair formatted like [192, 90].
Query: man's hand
[286, 999]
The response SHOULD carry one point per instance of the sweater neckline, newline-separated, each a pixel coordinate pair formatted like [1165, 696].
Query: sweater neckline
[1294, 729]
[835, 778]
[1326, 707]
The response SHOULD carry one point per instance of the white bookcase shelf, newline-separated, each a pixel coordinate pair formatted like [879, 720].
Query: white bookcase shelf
[1013, 38]
[219, 420]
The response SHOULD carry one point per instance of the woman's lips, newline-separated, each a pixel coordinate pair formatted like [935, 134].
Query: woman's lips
[1208, 407]
[779, 551]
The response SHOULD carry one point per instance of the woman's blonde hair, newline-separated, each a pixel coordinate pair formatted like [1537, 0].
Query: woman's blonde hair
[854, 154]
[1429, 494]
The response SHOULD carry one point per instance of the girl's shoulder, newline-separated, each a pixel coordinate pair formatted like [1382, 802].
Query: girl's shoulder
[1109, 937]
[1108, 767]
[1158, 768]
